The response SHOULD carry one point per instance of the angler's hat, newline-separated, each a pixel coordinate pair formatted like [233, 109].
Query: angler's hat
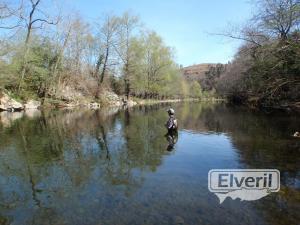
[171, 111]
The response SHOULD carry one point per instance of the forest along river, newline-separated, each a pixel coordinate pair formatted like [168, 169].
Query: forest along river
[118, 167]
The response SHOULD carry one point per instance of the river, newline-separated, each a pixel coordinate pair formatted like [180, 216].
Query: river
[118, 167]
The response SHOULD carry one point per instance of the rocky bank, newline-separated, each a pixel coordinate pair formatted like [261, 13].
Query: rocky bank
[108, 98]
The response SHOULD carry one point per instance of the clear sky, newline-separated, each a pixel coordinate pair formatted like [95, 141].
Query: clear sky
[184, 24]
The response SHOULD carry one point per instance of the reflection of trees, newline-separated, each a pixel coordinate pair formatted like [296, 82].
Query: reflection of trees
[263, 142]
[4, 220]
[282, 208]
[28, 166]
[59, 153]
[131, 146]
[189, 116]
[53, 158]
[145, 137]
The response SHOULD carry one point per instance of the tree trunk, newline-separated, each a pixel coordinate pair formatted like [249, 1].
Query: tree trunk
[104, 65]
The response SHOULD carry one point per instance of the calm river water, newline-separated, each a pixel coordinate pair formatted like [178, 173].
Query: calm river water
[118, 167]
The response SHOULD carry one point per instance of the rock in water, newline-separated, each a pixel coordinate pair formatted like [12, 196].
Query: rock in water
[9, 104]
[94, 105]
[297, 134]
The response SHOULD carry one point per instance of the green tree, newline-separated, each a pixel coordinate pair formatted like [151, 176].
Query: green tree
[196, 91]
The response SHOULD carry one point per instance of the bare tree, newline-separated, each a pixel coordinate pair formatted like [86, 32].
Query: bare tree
[128, 24]
[274, 18]
[107, 32]
[10, 15]
[63, 37]
[78, 45]
[33, 18]
[279, 17]
[249, 33]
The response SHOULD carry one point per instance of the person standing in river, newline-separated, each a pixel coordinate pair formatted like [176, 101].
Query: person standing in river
[171, 124]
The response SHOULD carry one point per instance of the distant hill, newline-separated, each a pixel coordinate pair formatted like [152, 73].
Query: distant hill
[196, 72]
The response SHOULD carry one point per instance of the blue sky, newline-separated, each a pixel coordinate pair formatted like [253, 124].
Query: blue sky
[184, 25]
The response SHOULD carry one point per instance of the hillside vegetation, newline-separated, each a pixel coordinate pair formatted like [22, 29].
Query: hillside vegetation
[65, 57]
[265, 71]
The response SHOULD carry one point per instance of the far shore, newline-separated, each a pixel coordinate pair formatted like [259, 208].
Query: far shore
[110, 99]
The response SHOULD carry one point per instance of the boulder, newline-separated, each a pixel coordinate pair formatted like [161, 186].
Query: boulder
[9, 104]
[131, 103]
[117, 104]
[69, 94]
[297, 134]
[111, 98]
[68, 105]
[32, 104]
[94, 105]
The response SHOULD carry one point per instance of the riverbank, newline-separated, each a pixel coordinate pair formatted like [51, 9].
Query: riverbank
[157, 101]
[8, 102]
[256, 104]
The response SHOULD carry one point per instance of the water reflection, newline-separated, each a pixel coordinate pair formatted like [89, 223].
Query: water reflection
[114, 166]
[172, 138]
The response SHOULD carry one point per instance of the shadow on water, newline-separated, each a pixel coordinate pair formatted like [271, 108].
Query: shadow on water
[120, 167]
